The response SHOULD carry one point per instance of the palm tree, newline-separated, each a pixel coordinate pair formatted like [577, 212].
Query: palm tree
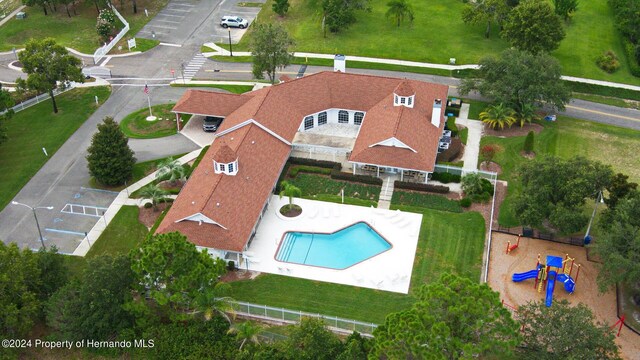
[289, 190]
[498, 116]
[246, 331]
[212, 301]
[399, 10]
[154, 193]
[527, 114]
[171, 168]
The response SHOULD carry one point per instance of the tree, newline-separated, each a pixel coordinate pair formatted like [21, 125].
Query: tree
[399, 10]
[172, 169]
[19, 285]
[497, 116]
[486, 11]
[42, 3]
[618, 244]
[174, 274]
[270, 49]
[555, 190]
[528, 143]
[106, 24]
[519, 79]
[546, 332]
[47, 64]
[154, 193]
[6, 113]
[356, 347]
[280, 7]
[488, 152]
[92, 307]
[290, 191]
[618, 188]
[533, 26]
[450, 318]
[340, 14]
[246, 331]
[110, 160]
[565, 8]
[527, 114]
[53, 272]
[312, 341]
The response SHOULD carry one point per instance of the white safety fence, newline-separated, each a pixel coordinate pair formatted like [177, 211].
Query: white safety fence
[491, 176]
[268, 313]
[101, 52]
[39, 98]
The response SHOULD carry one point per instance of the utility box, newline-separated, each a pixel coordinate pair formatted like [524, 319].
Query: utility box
[340, 63]
[21, 15]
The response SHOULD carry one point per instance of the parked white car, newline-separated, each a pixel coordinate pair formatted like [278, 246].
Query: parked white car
[234, 21]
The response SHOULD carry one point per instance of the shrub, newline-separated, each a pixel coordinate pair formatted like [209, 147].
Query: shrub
[528, 142]
[487, 152]
[314, 162]
[633, 57]
[365, 179]
[231, 265]
[452, 110]
[474, 184]
[293, 172]
[451, 125]
[148, 205]
[608, 62]
[465, 202]
[421, 187]
[445, 178]
[452, 152]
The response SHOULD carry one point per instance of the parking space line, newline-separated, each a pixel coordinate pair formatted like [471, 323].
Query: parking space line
[99, 190]
[161, 14]
[180, 4]
[162, 27]
[86, 210]
[169, 21]
[65, 231]
[178, 10]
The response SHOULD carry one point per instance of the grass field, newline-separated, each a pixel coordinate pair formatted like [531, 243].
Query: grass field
[566, 138]
[32, 129]
[314, 185]
[431, 201]
[77, 31]
[438, 34]
[124, 233]
[448, 242]
[135, 125]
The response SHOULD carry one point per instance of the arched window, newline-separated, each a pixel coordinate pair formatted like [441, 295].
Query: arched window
[343, 117]
[308, 122]
[357, 118]
[322, 118]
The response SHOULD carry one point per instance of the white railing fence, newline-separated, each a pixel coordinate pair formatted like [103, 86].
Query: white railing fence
[39, 98]
[101, 52]
[281, 315]
[491, 176]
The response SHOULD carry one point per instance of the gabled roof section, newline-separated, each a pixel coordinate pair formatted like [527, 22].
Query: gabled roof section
[393, 142]
[201, 218]
[404, 89]
[202, 102]
[225, 154]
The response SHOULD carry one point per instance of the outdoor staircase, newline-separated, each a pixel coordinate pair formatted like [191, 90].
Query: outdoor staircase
[387, 191]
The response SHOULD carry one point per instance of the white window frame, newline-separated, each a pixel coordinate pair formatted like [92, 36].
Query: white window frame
[341, 114]
[357, 121]
[306, 122]
[322, 118]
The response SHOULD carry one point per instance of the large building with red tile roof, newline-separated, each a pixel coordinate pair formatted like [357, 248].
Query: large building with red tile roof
[397, 123]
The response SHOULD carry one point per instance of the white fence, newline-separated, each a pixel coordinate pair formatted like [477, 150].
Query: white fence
[101, 52]
[39, 98]
[491, 176]
[320, 152]
[280, 315]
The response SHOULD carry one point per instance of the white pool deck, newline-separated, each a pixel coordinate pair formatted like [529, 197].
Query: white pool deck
[388, 271]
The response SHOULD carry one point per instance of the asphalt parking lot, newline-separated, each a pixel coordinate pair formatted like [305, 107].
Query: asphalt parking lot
[230, 7]
[175, 22]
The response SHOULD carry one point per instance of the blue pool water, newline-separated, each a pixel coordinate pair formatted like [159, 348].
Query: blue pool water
[338, 250]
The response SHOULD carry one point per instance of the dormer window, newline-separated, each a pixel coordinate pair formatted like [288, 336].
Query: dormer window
[404, 95]
[225, 161]
[404, 101]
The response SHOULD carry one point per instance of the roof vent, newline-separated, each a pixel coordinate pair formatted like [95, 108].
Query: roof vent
[193, 203]
[253, 141]
[218, 204]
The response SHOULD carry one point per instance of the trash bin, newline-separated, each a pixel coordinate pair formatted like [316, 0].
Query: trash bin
[527, 232]
[21, 15]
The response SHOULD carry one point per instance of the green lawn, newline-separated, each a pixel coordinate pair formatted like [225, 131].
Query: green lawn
[438, 34]
[566, 138]
[431, 201]
[135, 125]
[631, 104]
[234, 89]
[314, 185]
[338, 200]
[77, 32]
[124, 233]
[448, 242]
[32, 129]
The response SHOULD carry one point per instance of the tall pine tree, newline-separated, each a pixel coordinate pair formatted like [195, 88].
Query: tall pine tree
[110, 158]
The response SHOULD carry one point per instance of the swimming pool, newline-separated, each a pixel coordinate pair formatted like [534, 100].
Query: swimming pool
[338, 250]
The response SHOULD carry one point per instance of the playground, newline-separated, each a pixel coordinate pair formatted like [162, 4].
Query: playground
[523, 259]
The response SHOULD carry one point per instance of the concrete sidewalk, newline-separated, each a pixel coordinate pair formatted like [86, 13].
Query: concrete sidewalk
[121, 200]
[218, 51]
[472, 149]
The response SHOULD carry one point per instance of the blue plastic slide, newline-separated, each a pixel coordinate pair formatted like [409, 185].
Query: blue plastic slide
[525, 275]
[569, 283]
[551, 282]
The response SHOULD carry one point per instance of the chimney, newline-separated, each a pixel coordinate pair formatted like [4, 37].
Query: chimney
[340, 63]
[436, 114]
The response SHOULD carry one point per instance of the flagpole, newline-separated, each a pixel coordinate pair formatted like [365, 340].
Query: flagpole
[146, 90]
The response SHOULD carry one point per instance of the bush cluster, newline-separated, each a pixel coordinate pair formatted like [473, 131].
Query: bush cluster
[445, 178]
[304, 164]
[365, 179]
[421, 187]
[528, 142]
[466, 202]
[294, 170]
[476, 188]
[608, 62]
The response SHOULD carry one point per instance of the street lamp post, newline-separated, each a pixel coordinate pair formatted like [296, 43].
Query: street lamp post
[33, 209]
[230, 47]
[599, 199]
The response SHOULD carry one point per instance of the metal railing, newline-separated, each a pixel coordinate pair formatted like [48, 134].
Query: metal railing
[281, 315]
[491, 176]
[101, 52]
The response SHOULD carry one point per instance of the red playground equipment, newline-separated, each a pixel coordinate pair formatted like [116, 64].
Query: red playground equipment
[510, 247]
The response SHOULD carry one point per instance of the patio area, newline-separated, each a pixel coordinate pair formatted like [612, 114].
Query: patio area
[388, 271]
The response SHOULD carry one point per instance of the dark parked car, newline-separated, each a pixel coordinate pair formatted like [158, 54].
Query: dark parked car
[211, 123]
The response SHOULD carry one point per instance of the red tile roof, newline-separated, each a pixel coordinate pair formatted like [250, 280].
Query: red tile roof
[235, 202]
[404, 89]
[202, 102]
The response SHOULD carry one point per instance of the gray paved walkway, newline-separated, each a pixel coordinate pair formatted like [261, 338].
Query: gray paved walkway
[472, 149]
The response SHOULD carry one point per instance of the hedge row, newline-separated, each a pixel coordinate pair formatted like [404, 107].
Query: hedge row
[308, 169]
[314, 162]
[335, 170]
[630, 51]
[446, 178]
[366, 179]
[421, 187]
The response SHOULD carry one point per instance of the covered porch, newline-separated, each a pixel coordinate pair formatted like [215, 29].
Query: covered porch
[408, 175]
